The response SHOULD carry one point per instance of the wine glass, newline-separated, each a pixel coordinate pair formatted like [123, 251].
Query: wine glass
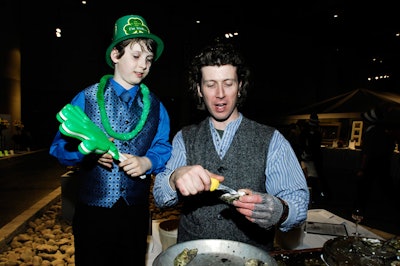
[357, 216]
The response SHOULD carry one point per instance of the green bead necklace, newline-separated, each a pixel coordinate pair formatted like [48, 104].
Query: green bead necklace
[104, 118]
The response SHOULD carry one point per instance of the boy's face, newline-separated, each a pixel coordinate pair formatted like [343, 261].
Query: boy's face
[133, 66]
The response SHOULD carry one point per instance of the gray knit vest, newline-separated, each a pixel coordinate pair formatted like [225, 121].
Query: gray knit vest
[103, 187]
[205, 216]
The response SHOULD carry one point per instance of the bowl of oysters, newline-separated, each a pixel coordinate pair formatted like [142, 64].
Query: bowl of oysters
[214, 252]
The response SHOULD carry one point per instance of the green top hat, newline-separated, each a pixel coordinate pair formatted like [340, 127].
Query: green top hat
[129, 27]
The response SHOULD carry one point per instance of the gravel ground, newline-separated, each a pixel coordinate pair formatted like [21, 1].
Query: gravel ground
[47, 238]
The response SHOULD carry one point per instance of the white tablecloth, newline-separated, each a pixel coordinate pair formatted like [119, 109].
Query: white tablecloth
[309, 240]
[324, 216]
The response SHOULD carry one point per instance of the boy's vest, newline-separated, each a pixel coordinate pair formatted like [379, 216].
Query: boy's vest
[103, 187]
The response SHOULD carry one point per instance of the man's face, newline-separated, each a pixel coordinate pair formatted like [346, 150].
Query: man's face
[219, 88]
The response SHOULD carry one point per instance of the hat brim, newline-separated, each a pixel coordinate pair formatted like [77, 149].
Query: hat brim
[160, 46]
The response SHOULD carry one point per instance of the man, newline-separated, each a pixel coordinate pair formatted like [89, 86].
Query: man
[312, 159]
[240, 152]
[374, 181]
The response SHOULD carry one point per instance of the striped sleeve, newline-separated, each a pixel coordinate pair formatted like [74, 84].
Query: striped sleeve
[164, 195]
[285, 179]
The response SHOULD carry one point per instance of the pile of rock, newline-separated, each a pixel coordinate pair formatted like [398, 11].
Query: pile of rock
[47, 240]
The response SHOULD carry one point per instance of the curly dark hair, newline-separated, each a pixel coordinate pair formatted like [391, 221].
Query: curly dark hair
[219, 54]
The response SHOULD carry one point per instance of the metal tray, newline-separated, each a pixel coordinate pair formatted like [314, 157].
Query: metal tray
[215, 252]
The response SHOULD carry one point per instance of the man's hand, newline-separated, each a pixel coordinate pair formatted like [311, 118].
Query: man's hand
[260, 208]
[191, 180]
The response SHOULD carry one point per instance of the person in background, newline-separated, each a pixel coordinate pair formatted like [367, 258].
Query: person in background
[292, 135]
[245, 155]
[111, 219]
[377, 146]
[312, 158]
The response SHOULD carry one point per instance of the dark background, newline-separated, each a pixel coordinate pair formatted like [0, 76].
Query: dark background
[299, 53]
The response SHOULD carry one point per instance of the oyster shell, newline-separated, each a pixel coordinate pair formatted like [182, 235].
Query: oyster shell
[186, 256]
[229, 198]
[255, 262]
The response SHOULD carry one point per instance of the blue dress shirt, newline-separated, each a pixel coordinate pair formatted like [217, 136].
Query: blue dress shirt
[158, 153]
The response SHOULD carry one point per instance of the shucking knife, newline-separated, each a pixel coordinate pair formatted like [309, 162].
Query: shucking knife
[229, 194]
[216, 185]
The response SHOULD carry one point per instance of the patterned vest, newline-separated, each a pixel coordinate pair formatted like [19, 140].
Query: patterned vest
[205, 216]
[103, 187]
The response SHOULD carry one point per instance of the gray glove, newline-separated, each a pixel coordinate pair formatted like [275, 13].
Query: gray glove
[267, 213]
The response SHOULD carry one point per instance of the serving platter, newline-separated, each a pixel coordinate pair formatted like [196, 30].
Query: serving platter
[301, 257]
[353, 250]
[215, 252]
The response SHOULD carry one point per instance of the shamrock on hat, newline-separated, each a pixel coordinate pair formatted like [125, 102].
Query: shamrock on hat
[129, 27]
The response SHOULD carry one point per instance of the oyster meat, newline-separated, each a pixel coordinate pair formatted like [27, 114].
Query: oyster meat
[229, 197]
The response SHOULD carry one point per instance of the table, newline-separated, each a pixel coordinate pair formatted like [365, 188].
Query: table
[308, 240]
[323, 216]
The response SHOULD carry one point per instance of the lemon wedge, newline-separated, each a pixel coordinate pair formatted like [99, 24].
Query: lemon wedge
[214, 184]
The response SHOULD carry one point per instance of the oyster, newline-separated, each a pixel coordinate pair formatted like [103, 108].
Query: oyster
[255, 262]
[229, 197]
[186, 256]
